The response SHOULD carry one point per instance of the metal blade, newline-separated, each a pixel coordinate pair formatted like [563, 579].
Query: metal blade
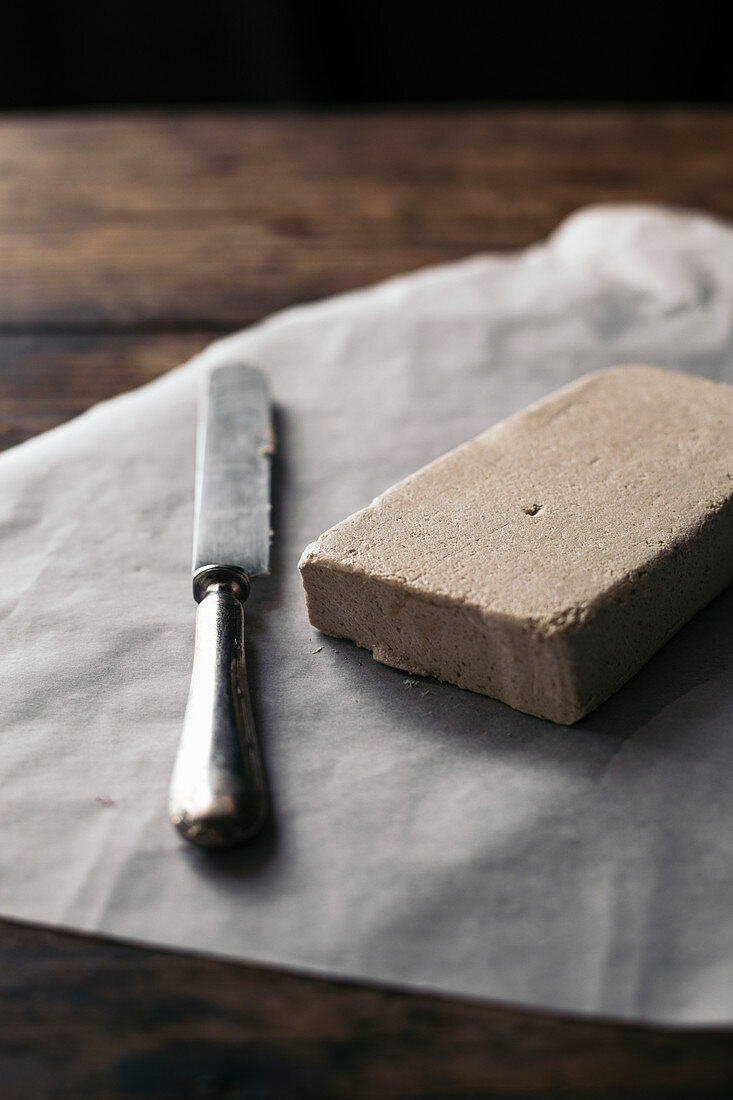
[234, 444]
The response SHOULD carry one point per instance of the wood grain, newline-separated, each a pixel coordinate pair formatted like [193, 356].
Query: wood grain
[127, 243]
[45, 380]
[86, 1018]
[168, 220]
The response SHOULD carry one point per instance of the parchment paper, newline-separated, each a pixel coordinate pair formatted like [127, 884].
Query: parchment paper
[424, 836]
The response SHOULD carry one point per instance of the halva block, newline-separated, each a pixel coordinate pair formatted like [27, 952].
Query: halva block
[545, 561]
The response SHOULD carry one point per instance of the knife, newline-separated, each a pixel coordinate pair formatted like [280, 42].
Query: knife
[217, 795]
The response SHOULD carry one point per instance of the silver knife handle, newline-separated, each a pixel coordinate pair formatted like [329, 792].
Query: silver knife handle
[217, 794]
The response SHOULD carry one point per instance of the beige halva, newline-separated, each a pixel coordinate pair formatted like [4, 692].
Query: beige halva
[545, 561]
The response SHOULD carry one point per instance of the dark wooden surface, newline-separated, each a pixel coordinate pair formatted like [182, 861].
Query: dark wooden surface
[126, 243]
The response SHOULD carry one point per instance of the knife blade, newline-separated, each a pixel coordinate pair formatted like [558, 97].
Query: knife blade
[217, 795]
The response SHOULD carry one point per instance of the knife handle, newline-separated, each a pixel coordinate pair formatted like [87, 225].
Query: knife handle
[217, 793]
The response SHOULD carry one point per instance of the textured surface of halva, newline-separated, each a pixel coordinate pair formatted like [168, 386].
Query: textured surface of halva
[545, 561]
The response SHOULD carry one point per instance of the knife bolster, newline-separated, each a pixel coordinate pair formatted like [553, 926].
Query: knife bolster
[229, 577]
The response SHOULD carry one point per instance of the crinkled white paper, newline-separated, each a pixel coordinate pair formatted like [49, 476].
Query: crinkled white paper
[423, 835]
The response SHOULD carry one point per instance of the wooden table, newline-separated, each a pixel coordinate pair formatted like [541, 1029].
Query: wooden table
[128, 242]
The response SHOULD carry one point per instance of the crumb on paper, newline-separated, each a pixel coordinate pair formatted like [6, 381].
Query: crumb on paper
[270, 445]
[105, 800]
[424, 693]
[410, 683]
[319, 650]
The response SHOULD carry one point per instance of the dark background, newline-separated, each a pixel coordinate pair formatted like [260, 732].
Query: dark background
[302, 53]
